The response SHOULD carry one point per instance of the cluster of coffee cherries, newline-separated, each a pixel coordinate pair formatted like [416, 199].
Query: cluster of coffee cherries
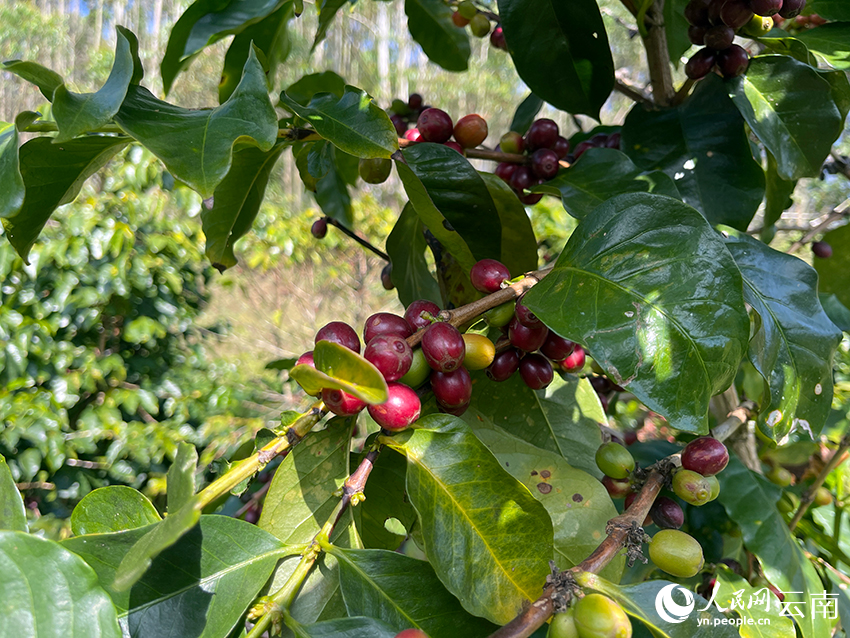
[695, 483]
[435, 125]
[467, 14]
[800, 23]
[714, 24]
[591, 616]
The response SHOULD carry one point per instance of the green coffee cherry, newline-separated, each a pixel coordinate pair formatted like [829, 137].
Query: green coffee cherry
[676, 553]
[419, 370]
[563, 626]
[500, 315]
[614, 460]
[823, 497]
[375, 171]
[691, 487]
[467, 10]
[597, 616]
[479, 25]
[780, 476]
[758, 26]
[715, 487]
[788, 503]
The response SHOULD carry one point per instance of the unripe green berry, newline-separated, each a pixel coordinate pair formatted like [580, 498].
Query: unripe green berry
[823, 497]
[467, 9]
[758, 26]
[691, 487]
[375, 171]
[614, 460]
[676, 553]
[500, 315]
[597, 616]
[480, 25]
[419, 370]
[715, 487]
[780, 476]
[563, 626]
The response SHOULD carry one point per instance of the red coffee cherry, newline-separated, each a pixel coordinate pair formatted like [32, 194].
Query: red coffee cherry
[413, 314]
[705, 455]
[525, 338]
[435, 125]
[400, 410]
[390, 354]
[386, 323]
[319, 228]
[575, 361]
[471, 130]
[666, 513]
[341, 333]
[487, 275]
[341, 403]
[452, 389]
[504, 365]
[536, 371]
[443, 346]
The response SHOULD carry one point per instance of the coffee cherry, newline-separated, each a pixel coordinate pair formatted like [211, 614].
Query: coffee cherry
[414, 101]
[480, 25]
[467, 9]
[500, 315]
[676, 553]
[714, 7]
[341, 333]
[525, 316]
[399, 123]
[563, 625]
[400, 410]
[419, 370]
[714, 485]
[780, 476]
[390, 354]
[522, 178]
[497, 38]
[525, 338]
[733, 62]
[487, 275]
[759, 26]
[387, 277]
[505, 170]
[575, 361]
[434, 125]
[823, 497]
[536, 371]
[765, 7]
[597, 616]
[697, 35]
[341, 403]
[443, 346]
[541, 134]
[691, 487]
[480, 352]
[614, 140]
[544, 163]
[413, 135]
[791, 8]
[399, 108]
[411, 633]
[822, 249]
[705, 455]
[512, 142]
[459, 20]
[470, 130]
[557, 348]
[696, 13]
[530, 199]
[319, 228]
[561, 147]
[735, 13]
[375, 171]
[719, 37]
[504, 365]
[455, 147]
[617, 488]
[666, 513]
[306, 359]
[385, 323]
[700, 63]
[614, 460]
[413, 314]
[452, 389]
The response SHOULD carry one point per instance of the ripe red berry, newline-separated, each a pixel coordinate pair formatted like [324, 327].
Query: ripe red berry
[413, 314]
[306, 359]
[529, 199]
[735, 13]
[696, 13]
[561, 147]
[443, 346]
[666, 513]
[575, 361]
[581, 148]
[434, 125]
[791, 8]
[319, 228]
[497, 38]
[765, 7]
[697, 35]
[413, 135]
[399, 123]
[459, 20]
[341, 333]
[414, 101]
[614, 140]
[487, 275]
[454, 146]
[341, 403]
[505, 171]
[705, 455]
[525, 316]
[452, 389]
[525, 338]
[541, 134]
[522, 178]
[504, 365]
[471, 130]
[556, 347]
[733, 62]
[544, 163]
[390, 354]
[700, 63]
[458, 411]
[617, 488]
[400, 410]
[411, 633]
[720, 37]
[512, 142]
[386, 323]
[822, 249]
[536, 371]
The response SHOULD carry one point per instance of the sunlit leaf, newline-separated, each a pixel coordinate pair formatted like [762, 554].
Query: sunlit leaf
[114, 508]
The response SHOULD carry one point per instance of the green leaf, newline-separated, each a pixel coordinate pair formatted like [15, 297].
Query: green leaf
[676, 28]
[180, 481]
[430, 24]
[327, 12]
[49, 592]
[204, 23]
[53, 175]
[331, 193]
[13, 516]
[561, 51]
[837, 312]
[487, 538]
[404, 593]
[778, 193]
[791, 47]
[79, 113]
[12, 193]
[790, 109]
[703, 146]
[832, 41]
[46, 80]
[836, 10]
[343, 369]
[196, 144]
[112, 509]
[304, 89]
[519, 245]
[832, 272]
[766, 618]
[200, 586]
[794, 341]
[356, 627]
[599, 175]
[406, 247]
[353, 123]
[525, 113]
[236, 202]
[577, 502]
[564, 418]
[651, 290]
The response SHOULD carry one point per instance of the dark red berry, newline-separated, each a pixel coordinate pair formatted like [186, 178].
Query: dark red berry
[399, 123]
[386, 323]
[791, 8]
[601, 385]
[452, 389]
[541, 134]
[714, 8]
[414, 101]
[581, 148]
[561, 147]
[319, 228]
[666, 513]
[413, 314]
[525, 338]
[719, 37]
[536, 371]
[459, 20]
[387, 277]
[341, 333]
[443, 346]
[599, 140]
[630, 437]
[504, 365]
[522, 178]
[705, 455]
[306, 359]
[400, 410]
[341, 403]
[556, 347]
[735, 13]
[765, 7]
[413, 135]
[505, 171]
[617, 488]
[822, 249]
[529, 199]
[700, 63]
[544, 163]
[390, 354]
[435, 125]
[497, 38]
[525, 316]
[696, 13]
[575, 361]
[697, 35]
[733, 62]
[614, 140]
[454, 146]
[458, 411]
[487, 275]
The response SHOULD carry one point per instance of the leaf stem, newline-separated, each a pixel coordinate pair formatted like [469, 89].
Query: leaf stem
[347, 231]
[632, 93]
[809, 495]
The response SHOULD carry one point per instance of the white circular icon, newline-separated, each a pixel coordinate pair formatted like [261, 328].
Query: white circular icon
[669, 609]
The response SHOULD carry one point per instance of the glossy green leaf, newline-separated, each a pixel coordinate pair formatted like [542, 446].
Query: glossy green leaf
[703, 146]
[600, 174]
[198, 587]
[837, 312]
[430, 24]
[406, 247]
[794, 341]
[487, 538]
[13, 516]
[564, 418]
[765, 533]
[836, 10]
[331, 193]
[404, 593]
[832, 272]
[46, 80]
[114, 508]
[737, 594]
[832, 41]
[649, 287]
[79, 113]
[577, 502]
[180, 480]
[196, 144]
[778, 192]
[519, 245]
[353, 123]
[561, 51]
[343, 369]
[327, 12]
[12, 193]
[790, 109]
[236, 202]
[357, 627]
[676, 28]
[525, 113]
[789, 46]
[49, 592]
[304, 89]
[53, 175]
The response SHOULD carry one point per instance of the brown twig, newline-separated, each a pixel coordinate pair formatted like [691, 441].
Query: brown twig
[632, 93]
[809, 495]
[683, 92]
[347, 231]
[839, 212]
[657, 56]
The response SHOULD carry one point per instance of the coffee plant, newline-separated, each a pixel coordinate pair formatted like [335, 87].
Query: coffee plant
[485, 498]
